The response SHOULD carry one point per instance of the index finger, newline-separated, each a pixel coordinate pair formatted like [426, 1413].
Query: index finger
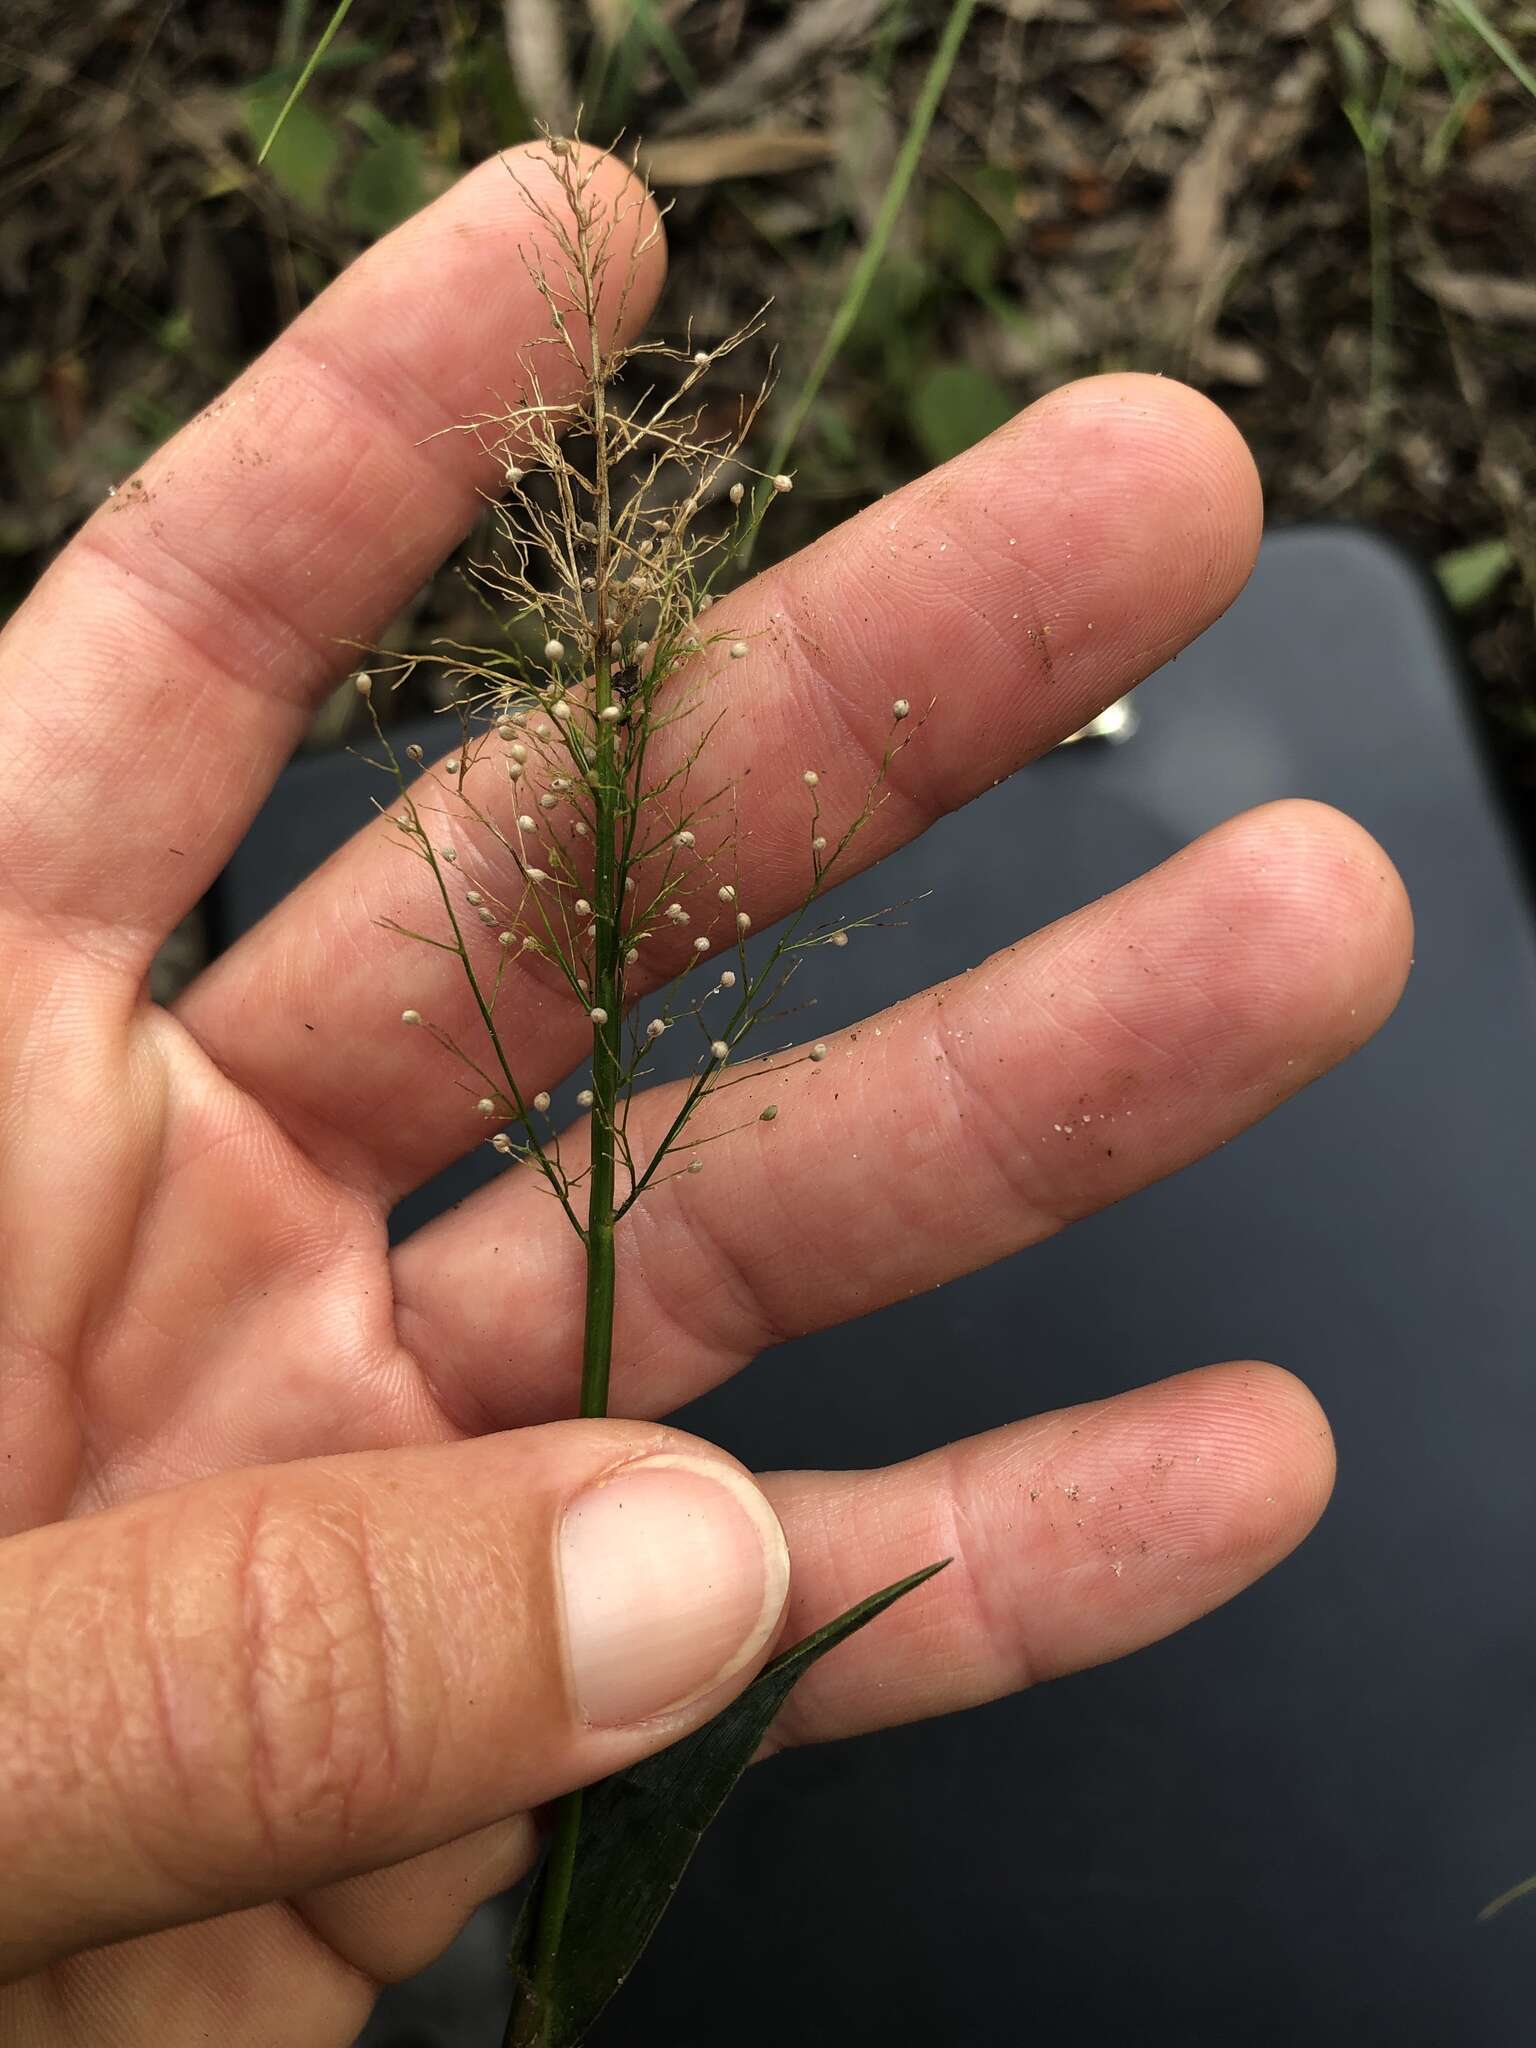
[164, 668]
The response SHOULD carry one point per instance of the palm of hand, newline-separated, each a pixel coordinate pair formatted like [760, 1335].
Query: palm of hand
[200, 1294]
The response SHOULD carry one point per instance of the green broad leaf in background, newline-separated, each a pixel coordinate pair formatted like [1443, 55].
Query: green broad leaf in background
[481, 78]
[952, 407]
[1472, 574]
[998, 190]
[894, 317]
[960, 234]
[302, 153]
[388, 182]
[891, 302]
[639, 1830]
[833, 434]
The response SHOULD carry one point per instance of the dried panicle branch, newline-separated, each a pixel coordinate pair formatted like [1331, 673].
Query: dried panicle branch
[619, 514]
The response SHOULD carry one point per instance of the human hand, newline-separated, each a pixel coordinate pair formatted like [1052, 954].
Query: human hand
[294, 1626]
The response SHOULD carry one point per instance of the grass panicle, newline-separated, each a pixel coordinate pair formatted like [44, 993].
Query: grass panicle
[575, 833]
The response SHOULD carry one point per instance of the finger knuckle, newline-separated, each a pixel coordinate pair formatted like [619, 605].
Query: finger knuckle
[325, 1672]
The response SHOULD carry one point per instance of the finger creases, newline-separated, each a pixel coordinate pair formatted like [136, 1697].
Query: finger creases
[1083, 1063]
[163, 670]
[1074, 1538]
[1007, 596]
[264, 1685]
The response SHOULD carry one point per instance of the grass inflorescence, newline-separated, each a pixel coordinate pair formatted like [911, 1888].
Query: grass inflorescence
[604, 852]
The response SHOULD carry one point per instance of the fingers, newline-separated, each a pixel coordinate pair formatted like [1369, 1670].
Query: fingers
[1020, 588]
[1075, 1538]
[1100, 1055]
[330, 1950]
[390, 1923]
[195, 1984]
[264, 1683]
[165, 667]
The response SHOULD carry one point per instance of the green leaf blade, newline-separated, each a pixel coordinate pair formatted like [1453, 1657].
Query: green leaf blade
[389, 181]
[872, 255]
[953, 407]
[639, 1830]
[343, 9]
[1500, 45]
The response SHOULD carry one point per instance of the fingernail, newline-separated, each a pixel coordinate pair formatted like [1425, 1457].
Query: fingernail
[674, 1571]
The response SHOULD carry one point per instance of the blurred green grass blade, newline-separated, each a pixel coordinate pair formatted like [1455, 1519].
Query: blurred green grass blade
[343, 9]
[1500, 45]
[661, 39]
[872, 254]
[292, 22]
[639, 1830]
[889, 212]
[613, 68]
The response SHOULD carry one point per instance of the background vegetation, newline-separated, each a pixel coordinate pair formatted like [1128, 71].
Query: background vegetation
[1320, 211]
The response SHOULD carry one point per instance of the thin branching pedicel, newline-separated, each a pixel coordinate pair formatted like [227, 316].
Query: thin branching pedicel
[582, 770]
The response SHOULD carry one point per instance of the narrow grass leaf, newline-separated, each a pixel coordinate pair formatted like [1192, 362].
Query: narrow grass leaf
[343, 9]
[1500, 45]
[870, 256]
[638, 1832]
[666, 45]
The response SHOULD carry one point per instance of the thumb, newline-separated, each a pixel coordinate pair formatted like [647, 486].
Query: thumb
[276, 1678]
